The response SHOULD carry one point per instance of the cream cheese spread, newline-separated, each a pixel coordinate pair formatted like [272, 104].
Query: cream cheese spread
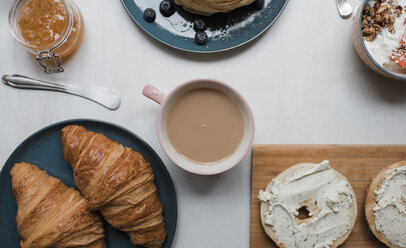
[329, 218]
[390, 207]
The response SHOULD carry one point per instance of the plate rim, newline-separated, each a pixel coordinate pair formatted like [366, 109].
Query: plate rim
[97, 121]
[206, 52]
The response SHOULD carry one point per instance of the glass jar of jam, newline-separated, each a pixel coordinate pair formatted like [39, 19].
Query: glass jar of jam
[50, 29]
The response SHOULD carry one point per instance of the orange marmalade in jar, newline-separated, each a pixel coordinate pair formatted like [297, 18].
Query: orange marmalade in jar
[51, 29]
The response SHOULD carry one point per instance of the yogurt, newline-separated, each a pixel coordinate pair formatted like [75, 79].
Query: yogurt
[387, 41]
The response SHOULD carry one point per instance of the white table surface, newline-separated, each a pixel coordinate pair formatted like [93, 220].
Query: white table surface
[302, 78]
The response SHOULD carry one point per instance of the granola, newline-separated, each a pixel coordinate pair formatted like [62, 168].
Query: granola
[381, 15]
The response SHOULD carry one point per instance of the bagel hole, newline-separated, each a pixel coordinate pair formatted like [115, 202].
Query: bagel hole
[303, 213]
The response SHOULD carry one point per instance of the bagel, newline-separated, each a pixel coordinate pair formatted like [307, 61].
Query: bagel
[209, 7]
[308, 205]
[385, 205]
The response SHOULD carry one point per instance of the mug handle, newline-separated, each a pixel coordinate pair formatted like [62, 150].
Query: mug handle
[153, 93]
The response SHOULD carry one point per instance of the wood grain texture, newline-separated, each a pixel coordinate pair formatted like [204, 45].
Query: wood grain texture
[359, 163]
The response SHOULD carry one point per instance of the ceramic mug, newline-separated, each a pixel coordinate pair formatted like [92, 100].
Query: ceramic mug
[166, 102]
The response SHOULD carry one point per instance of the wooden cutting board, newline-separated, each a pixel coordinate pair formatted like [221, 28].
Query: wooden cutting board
[359, 163]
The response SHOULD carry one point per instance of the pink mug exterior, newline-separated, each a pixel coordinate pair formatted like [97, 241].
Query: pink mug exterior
[157, 96]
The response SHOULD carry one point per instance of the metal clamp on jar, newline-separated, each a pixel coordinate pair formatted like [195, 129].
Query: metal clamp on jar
[50, 29]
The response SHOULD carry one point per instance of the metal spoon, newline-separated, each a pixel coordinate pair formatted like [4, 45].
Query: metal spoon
[344, 8]
[104, 96]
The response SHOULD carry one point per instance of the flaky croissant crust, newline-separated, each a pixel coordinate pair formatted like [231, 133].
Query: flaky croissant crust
[50, 214]
[118, 181]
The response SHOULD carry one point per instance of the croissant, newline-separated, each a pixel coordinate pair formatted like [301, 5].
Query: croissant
[118, 181]
[50, 214]
[209, 7]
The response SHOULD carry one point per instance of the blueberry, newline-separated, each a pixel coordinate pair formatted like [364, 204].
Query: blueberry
[149, 15]
[259, 4]
[167, 8]
[201, 38]
[199, 25]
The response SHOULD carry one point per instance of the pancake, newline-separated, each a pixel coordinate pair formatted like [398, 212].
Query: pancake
[209, 7]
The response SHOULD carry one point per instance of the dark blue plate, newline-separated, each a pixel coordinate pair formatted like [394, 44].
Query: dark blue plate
[44, 149]
[226, 31]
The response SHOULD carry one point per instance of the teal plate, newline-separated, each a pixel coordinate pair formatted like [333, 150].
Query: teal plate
[225, 31]
[44, 149]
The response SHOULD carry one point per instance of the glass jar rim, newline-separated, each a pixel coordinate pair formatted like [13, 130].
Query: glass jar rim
[13, 17]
